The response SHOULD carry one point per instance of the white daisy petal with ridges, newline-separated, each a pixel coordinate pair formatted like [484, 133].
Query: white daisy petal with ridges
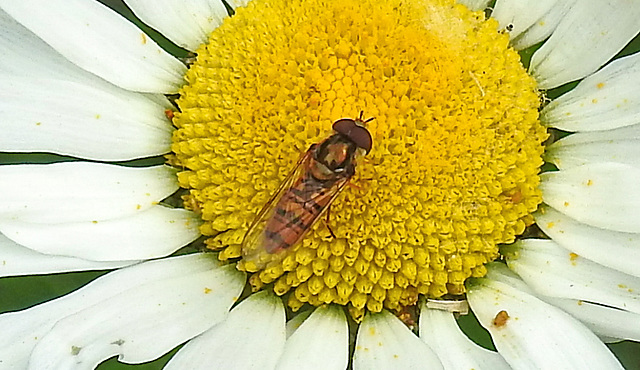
[321, 342]
[617, 250]
[619, 134]
[142, 319]
[604, 195]
[384, 342]
[541, 29]
[101, 42]
[156, 232]
[201, 279]
[296, 321]
[89, 117]
[529, 333]
[608, 99]
[80, 191]
[441, 332]
[620, 145]
[520, 15]
[606, 322]
[186, 23]
[589, 36]
[25, 54]
[556, 272]
[18, 260]
[475, 4]
[88, 120]
[620, 151]
[253, 336]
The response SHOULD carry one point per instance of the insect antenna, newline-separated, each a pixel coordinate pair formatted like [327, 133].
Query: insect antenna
[361, 116]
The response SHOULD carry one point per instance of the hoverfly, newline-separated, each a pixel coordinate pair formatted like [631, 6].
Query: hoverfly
[307, 192]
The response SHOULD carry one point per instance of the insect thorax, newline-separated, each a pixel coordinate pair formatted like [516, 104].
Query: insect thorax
[334, 158]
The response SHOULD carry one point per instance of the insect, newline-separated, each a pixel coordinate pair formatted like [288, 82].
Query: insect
[307, 192]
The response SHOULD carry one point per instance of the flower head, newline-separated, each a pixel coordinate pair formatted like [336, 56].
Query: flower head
[453, 172]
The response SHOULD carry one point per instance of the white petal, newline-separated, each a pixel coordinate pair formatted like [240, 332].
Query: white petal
[24, 54]
[604, 321]
[384, 342]
[157, 317]
[555, 272]
[86, 120]
[86, 117]
[531, 334]
[604, 195]
[586, 38]
[321, 342]
[440, 331]
[100, 41]
[186, 23]
[252, 337]
[608, 99]
[475, 4]
[543, 27]
[623, 133]
[79, 191]
[17, 260]
[619, 251]
[596, 147]
[237, 3]
[21, 331]
[297, 321]
[156, 232]
[520, 15]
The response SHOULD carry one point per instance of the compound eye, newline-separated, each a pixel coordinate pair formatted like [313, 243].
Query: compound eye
[356, 133]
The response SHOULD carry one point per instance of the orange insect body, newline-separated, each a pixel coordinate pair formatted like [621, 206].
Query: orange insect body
[307, 192]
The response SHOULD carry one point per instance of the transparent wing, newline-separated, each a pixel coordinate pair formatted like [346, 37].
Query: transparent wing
[288, 215]
[253, 241]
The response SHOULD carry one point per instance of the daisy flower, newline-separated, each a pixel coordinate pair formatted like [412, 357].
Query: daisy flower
[452, 204]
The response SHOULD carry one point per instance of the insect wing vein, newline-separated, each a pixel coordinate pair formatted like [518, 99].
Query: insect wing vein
[289, 214]
[253, 241]
[315, 202]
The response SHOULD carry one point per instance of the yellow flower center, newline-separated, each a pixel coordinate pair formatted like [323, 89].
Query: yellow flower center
[456, 144]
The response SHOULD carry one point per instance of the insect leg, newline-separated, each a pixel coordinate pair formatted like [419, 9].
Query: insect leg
[354, 186]
[326, 222]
